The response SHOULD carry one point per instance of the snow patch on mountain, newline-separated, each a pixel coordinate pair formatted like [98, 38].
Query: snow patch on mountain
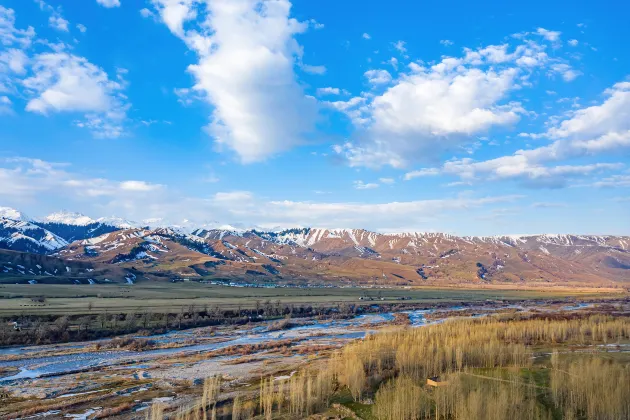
[118, 222]
[25, 236]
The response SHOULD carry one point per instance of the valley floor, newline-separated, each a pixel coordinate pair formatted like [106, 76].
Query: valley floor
[130, 376]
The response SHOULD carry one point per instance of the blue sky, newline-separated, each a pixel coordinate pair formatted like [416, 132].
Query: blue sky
[463, 118]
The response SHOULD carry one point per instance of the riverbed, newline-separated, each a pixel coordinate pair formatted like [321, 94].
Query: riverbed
[79, 371]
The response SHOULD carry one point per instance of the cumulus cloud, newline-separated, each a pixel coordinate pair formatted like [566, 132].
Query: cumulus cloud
[63, 82]
[378, 77]
[591, 131]
[246, 52]
[552, 36]
[366, 35]
[446, 42]
[573, 42]
[566, 71]
[13, 60]
[428, 110]
[9, 34]
[56, 81]
[599, 127]
[59, 23]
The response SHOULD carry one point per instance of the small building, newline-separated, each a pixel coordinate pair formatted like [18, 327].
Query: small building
[436, 381]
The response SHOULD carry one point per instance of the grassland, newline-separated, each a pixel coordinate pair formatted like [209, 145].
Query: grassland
[89, 299]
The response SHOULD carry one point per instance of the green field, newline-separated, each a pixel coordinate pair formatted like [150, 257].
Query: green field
[78, 299]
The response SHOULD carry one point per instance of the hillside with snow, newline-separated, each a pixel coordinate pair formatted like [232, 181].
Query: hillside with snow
[333, 256]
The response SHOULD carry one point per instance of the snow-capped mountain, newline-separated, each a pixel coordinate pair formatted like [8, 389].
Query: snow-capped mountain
[336, 255]
[183, 226]
[19, 235]
[68, 218]
[118, 222]
[11, 213]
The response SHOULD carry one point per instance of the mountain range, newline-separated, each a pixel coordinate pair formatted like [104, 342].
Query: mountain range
[71, 247]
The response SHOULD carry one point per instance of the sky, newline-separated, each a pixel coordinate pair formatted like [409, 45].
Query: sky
[459, 117]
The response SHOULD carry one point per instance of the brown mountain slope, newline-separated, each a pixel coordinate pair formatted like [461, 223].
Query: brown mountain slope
[345, 256]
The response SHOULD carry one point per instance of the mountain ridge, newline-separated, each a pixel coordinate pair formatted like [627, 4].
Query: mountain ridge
[332, 256]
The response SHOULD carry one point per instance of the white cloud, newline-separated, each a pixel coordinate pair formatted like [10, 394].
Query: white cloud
[378, 77]
[9, 34]
[566, 71]
[573, 42]
[523, 168]
[446, 42]
[62, 82]
[14, 59]
[421, 173]
[109, 3]
[5, 105]
[58, 81]
[386, 180]
[614, 181]
[55, 20]
[32, 182]
[548, 205]
[233, 197]
[400, 46]
[360, 185]
[328, 91]
[591, 131]
[59, 23]
[139, 186]
[432, 109]
[371, 157]
[187, 96]
[366, 36]
[82, 28]
[146, 13]
[314, 69]
[34, 177]
[247, 52]
[315, 24]
[551, 36]
[599, 126]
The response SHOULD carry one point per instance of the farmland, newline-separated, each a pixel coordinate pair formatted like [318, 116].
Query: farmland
[85, 299]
